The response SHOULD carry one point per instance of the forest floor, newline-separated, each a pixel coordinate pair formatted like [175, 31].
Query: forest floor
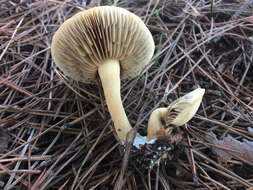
[56, 133]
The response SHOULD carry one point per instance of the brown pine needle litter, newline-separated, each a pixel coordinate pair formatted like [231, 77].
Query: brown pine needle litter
[56, 133]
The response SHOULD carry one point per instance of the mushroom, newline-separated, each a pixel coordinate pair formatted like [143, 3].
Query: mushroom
[180, 111]
[107, 41]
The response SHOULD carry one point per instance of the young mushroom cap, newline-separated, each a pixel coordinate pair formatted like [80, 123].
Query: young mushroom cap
[180, 111]
[107, 41]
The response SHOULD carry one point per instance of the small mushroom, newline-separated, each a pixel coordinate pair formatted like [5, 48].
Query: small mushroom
[107, 41]
[180, 111]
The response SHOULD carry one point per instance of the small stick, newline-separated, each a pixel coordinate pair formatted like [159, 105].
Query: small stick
[194, 173]
[21, 171]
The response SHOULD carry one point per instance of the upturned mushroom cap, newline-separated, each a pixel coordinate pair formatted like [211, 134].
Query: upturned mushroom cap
[86, 40]
[179, 112]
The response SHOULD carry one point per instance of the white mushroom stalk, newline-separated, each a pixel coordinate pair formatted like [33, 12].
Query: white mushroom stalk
[180, 111]
[109, 73]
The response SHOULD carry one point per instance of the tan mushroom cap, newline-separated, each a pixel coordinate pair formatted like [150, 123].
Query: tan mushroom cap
[89, 38]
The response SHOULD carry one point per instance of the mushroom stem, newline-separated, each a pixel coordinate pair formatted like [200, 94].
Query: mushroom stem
[109, 73]
[155, 121]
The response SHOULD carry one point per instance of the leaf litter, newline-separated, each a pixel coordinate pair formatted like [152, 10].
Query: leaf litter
[60, 135]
